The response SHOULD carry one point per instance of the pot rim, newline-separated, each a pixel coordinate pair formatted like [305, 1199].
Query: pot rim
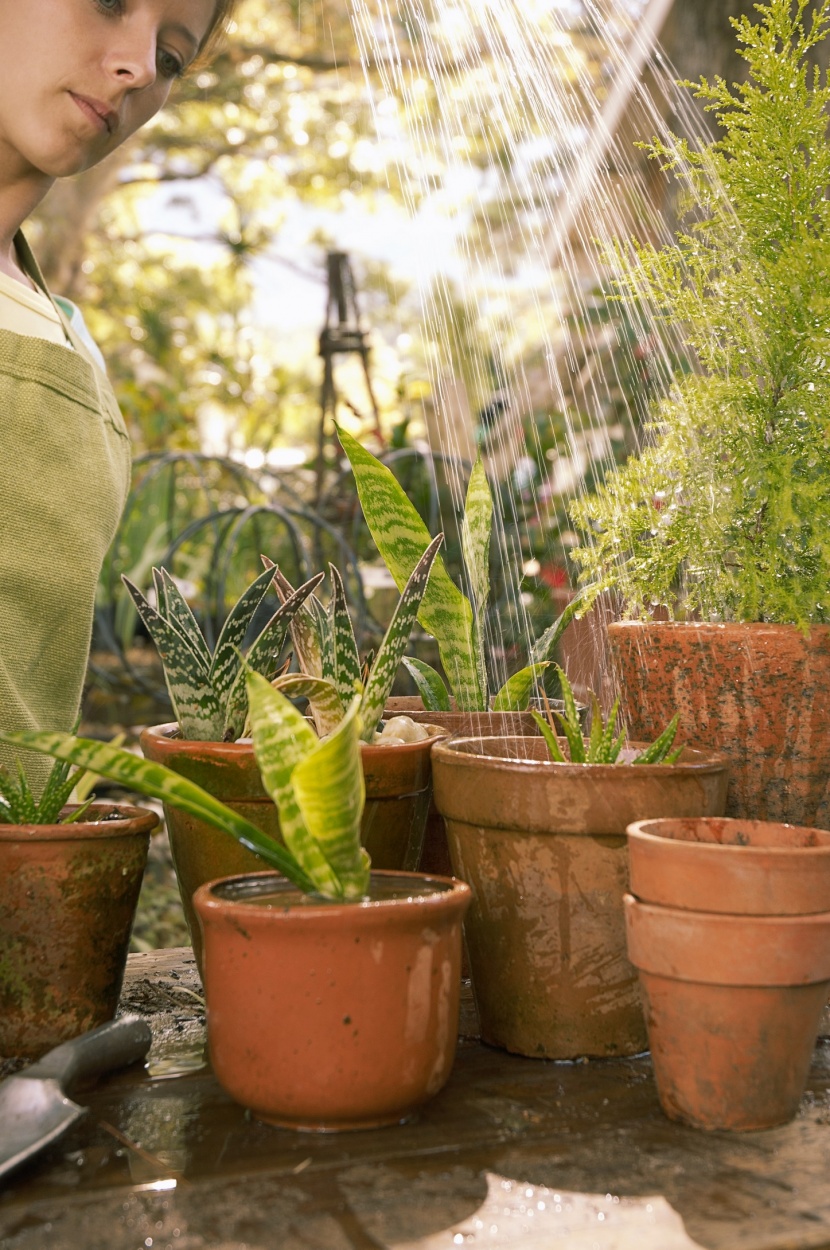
[453, 894]
[132, 821]
[715, 627]
[636, 832]
[450, 751]
[169, 735]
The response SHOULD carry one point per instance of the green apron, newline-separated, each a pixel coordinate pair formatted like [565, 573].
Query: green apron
[64, 475]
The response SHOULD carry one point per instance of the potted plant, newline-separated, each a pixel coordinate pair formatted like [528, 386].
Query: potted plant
[227, 768]
[723, 519]
[332, 993]
[71, 878]
[728, 923]
[536, 825]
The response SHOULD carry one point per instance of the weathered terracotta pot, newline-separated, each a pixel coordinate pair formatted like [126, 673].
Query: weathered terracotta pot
[69, 894]
[332, 1015]
[733, 1005]
[543, 847]
[740, 867]
[398, 788]
[758, 693]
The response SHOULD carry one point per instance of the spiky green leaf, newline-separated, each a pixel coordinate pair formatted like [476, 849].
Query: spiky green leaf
[194, 703]
[305, 626]
[402, 538]
[659, 749]
[395, 642]
[514, 695]
[549, 736]
[431, 688]
[476, 528]
[172, 605]
[224, 667]
[330, 792]
[326, 705]
[545, 645]
[282, 739]
[159, 782]
[346, 657]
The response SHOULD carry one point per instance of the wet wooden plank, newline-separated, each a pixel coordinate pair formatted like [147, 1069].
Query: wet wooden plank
[228, 1181]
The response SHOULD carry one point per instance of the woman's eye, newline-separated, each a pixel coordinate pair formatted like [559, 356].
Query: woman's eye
[109, 6]
[169, 65]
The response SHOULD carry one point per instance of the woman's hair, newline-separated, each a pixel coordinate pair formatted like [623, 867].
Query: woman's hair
[221, 17]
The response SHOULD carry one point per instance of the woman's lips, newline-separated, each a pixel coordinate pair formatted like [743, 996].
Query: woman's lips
[101, 115]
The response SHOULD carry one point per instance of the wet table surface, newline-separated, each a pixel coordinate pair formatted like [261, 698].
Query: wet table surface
[514, 1152]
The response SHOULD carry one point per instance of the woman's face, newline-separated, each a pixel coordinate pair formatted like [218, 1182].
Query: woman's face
[78, 77]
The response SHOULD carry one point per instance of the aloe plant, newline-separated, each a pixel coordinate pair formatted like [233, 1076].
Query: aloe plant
[316, 784]
[208, 691]
[604, 744]
[457, 624]
[18, 805]
[327, 654]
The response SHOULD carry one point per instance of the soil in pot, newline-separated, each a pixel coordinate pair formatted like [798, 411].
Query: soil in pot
[330, 1016]
[759, 693]
[398, 787]
[543, 847]
[733, 1005]
[69, 900]
[740, 867]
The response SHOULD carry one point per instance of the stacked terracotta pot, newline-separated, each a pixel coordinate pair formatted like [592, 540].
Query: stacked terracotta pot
[728, 924]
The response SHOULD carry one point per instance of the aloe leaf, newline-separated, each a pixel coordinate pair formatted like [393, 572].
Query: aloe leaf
[225, 665]
[545, 645]
[346, 657]
[173, 606]
[660, 747]
[549, 736]
[263, 657]
[326, 705]
[607, 743]
[514, 695]
[194, 703]
[282, 738]
[476, 528]
[402, 538]
[77, 816]
[395, 642]
[595, 742]
[431, 688]
[159, 782]
[330, 792]
[305, 626]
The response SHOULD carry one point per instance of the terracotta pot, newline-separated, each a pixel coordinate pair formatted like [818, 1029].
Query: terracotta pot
[398, 787]
[733, 1006]
[69, 899]
[543, 847]
[759, 693]
[332, 1015]
[740, 867]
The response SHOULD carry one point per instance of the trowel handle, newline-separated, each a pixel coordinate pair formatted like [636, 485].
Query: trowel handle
[113, 1045]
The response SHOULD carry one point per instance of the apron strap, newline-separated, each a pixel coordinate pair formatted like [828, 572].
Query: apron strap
[32, 270]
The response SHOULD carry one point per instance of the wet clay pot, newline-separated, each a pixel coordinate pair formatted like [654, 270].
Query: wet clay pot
[332, 1015]
[398, 787]
[737, 867]
[69, 894]
[758, 693]
[733, 1005]
[543, 847]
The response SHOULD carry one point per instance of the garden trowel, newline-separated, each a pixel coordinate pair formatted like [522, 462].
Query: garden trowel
[34, 1110]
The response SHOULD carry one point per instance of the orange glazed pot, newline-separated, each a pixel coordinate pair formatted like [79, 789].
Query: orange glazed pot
[69, 894]
[741, 867]
[758, 693]
[332, 1015]
[398, 789]
[543, 847]
[733, 1005]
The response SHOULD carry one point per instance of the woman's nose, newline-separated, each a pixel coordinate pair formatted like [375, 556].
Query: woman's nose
[133, 60]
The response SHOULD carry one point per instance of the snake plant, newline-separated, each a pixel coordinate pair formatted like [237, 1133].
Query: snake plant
[317, 785]
[401, 538]
[604, 744]
[327, 654]
[208, 691]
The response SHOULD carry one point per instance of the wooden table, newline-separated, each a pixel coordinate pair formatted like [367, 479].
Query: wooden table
[513, 1153]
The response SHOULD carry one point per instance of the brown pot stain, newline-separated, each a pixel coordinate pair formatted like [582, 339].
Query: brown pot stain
[733, 1005]
[543, 847]
[333, 1016]
[398, 788]
[760, 693]
[69, 899]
